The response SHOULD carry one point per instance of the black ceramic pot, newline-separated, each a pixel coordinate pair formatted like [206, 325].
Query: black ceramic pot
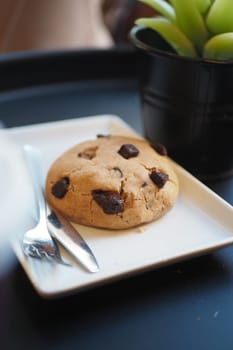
[187, 104]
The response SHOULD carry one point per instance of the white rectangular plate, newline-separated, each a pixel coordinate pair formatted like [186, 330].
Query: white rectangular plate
[200, 221]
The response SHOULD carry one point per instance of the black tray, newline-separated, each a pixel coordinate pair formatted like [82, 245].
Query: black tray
[172, 308]
[48, 86]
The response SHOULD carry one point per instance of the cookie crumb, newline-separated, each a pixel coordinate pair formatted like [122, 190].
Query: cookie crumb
[142, 229]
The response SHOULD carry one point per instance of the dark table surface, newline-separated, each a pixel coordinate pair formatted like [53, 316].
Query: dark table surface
[188, 305]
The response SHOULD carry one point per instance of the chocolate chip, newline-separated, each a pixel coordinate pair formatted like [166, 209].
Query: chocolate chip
[60, 188]
[118, 172]
[128, 151]
[107, 136]
[54, 220]
[88, 153]
[110, 201]
[161, 149]
[159, 178]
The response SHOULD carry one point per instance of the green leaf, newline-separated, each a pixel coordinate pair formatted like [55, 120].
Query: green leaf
[202, 5]
[162, 7]
[171, 33]
[219, 47]
[220, 17]
[191, 22]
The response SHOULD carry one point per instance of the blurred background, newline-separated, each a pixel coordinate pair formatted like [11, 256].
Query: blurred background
[66, 24]
[28, 25]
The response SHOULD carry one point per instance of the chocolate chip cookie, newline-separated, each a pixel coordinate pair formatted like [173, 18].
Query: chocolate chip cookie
[114, 182]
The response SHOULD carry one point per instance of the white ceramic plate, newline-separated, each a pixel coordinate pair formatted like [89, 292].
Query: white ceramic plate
[200, 221]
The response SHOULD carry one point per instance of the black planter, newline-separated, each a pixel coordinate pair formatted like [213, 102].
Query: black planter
[187, 104]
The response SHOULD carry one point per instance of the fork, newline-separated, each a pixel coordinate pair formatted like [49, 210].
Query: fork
[37, 242]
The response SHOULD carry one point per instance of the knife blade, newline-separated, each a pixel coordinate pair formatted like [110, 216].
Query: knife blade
[63, 231]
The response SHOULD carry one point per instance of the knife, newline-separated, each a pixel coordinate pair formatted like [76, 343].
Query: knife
[63, 231]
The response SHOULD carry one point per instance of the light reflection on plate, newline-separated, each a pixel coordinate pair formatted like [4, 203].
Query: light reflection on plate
[15, 199]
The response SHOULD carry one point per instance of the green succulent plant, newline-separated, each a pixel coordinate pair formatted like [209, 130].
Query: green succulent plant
[194, 28]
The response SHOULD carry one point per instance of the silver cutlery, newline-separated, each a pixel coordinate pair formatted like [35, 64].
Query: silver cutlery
[39, 242]
[62, 230]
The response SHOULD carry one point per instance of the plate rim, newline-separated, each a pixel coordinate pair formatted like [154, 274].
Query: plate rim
[119, 122]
